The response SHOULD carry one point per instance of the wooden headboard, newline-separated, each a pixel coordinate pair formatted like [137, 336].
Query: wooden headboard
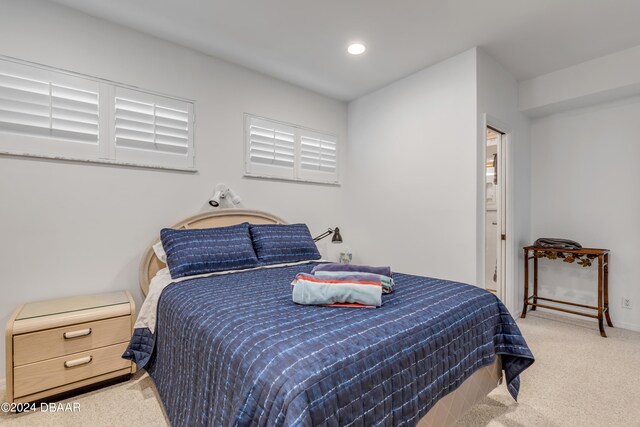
[222, 218]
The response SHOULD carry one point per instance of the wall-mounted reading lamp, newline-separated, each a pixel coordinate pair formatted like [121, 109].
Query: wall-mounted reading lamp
[223, 193]
[337, 237]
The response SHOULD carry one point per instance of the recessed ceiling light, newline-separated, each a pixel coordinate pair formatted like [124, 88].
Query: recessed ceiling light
[356, 48]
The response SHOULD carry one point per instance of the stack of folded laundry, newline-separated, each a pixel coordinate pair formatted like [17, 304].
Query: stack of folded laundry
[343, 285]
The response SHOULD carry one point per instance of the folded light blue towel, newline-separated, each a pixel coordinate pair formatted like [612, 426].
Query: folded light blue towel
[361, 290]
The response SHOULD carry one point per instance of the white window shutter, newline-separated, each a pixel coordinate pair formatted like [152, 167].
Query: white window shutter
[281, 150]
[152, 129]
[74, 113]
[24, 105]
[318, 157]
[270, 148]
[47, 113]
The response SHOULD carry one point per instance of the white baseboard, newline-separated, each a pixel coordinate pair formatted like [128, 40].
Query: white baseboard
[625, 325]
[616, 324]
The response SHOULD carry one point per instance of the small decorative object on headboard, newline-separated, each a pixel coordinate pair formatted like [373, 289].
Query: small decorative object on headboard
[224, 197]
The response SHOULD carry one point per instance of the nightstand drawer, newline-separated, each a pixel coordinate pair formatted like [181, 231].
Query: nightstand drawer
[52, 373]
[60, 345]
[50, 343]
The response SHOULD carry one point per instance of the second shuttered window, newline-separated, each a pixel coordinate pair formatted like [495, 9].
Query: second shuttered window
[275, 149]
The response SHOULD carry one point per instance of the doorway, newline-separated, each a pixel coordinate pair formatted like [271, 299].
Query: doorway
[495, 212]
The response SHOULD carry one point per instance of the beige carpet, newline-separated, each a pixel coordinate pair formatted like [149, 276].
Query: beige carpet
[579, 379]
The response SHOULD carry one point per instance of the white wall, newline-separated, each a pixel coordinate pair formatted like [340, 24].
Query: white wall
[592, 82]
[585, 187]
[416, 170]
[498, 98]
[70, 228]
[411, 176]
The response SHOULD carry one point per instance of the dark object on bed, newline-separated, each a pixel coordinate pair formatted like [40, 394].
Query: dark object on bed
[548, 242]
[234, 350]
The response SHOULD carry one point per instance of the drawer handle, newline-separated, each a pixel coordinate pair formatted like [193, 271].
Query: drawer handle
[77, 334]
[78, 362]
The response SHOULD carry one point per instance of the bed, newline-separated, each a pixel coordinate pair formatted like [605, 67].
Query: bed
[234, 350]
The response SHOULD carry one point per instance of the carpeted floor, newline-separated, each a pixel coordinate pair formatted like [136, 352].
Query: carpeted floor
[579, 379]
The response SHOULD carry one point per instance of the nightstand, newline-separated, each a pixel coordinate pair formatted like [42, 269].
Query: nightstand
[60, 345]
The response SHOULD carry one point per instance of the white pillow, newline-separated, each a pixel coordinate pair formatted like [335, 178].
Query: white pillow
[160, 253]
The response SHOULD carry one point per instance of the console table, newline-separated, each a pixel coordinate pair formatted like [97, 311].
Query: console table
[583, 257]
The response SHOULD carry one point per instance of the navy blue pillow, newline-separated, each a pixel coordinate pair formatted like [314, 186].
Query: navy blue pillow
[279, 243]
[208, 250]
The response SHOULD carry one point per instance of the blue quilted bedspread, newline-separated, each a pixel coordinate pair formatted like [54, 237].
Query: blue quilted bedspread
[235, 350]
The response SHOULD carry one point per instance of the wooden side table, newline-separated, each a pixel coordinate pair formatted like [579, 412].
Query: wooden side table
[583, 257]
[60, 345]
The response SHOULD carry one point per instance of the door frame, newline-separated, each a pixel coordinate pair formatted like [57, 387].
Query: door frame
[507, 289]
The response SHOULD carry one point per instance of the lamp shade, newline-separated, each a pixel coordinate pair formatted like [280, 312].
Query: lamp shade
[337, 237]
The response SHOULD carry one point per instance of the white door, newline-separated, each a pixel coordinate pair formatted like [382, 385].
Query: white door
[495, 212]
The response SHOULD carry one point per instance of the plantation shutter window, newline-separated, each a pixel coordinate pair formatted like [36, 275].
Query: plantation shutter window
[24, 105]
[318, 157]
[48, 113]
[45, 112]
[74, 113]
[152, 128]
[275, 149]
[270, 148]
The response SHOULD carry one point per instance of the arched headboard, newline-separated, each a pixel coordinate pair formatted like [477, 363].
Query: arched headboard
[222, 218]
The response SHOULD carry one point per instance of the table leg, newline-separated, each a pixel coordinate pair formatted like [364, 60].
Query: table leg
[526, 283]
[535, 281]
[600, 293]
[606, 290]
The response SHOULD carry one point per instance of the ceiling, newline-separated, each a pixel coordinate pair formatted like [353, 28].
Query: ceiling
[304, 42]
